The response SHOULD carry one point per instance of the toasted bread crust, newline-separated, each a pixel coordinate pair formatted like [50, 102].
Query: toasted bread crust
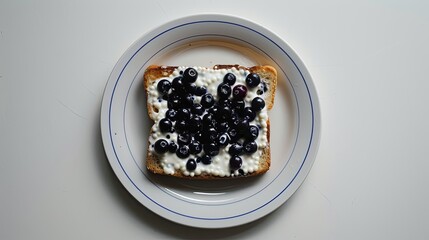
[154, 72]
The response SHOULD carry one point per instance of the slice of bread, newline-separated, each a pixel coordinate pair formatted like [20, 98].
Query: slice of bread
[168, 163]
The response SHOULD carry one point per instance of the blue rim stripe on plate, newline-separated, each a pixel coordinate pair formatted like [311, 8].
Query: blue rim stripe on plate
[228, 217]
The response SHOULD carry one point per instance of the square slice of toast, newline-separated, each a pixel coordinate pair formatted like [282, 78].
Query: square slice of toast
[209, 137]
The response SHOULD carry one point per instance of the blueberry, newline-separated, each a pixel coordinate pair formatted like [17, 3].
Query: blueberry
[195, 147]
[191, 88]
[184, 138]
[171, 114]
[243, 126]
[183, 151]
[210, 134]
[197, 109]
[209, 120]
[200, 91]
[258, 104]
[165, 125]
[174, 101]
[190, 75]
[222, 127]
[172, 147]
[248, 114]
[239, 92]
[235, 163]
[235, 149]
[191, 165]
[195, 124]
[233, 134]
[223, 139]
[223, 91]
[211, 149]
[207, 100]
[225, 112]
[163, 86]
[252, 133]
[238, 105]
[229, 79]
[183, 114]
[250, 147]
[187, 100]
[180, 126]
[206, 159]
[161, 146]
[215, 111]
[253, 80]
[177, 85]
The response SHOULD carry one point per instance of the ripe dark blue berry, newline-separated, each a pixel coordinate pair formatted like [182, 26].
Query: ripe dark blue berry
[206, 159]
[207, 100]
[248, 114]
[235, 163]
[223, 139]
[239, 92]
[165, 125]
[172, 147]
[164, 86]
[211, 149]
[197, 109]
[233, 134]
[184, 138]
[180, 126]
[161, 146]
[183, 114]
[238, 105]
[187, 100]
[258, 104]
[235, 149]
[229, 79]
[190, 75]
[223, 91]
[195, 147]
[253, 80]
[243, 126]
[171, 114]
[183, 151]
[177, 85]
[209, 120]
[222, 127]
[200, 91]
[191, 165]
[253, 133]
[195, 124]
[250, 147]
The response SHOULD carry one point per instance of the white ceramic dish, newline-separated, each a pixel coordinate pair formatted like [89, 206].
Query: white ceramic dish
[206, 40]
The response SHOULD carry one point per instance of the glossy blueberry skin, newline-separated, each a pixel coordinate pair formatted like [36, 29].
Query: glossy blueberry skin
[195, 147]
[235, 149]
[171, 114]
[191, 165]
[252, 133]
[190, 75]
[223, 139]
[200, 91]
[197, 109]
[184, 138]
[172, 147]
[165, 125]
[207, 100]
[183, 152]
[250, 147]
[161, 146]
[229, 79]
[235, 163]
[223, 91]
[163, 86]
[253, 80]
[206, 159]
[248, 114]
[258, 104]
[211, 149]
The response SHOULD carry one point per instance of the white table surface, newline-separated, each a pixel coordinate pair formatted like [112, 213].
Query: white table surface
[369, 62]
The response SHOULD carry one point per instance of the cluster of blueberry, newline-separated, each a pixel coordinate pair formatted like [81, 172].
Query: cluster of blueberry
[210, 124]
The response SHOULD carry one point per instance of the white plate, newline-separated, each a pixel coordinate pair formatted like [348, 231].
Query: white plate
[206, 40]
